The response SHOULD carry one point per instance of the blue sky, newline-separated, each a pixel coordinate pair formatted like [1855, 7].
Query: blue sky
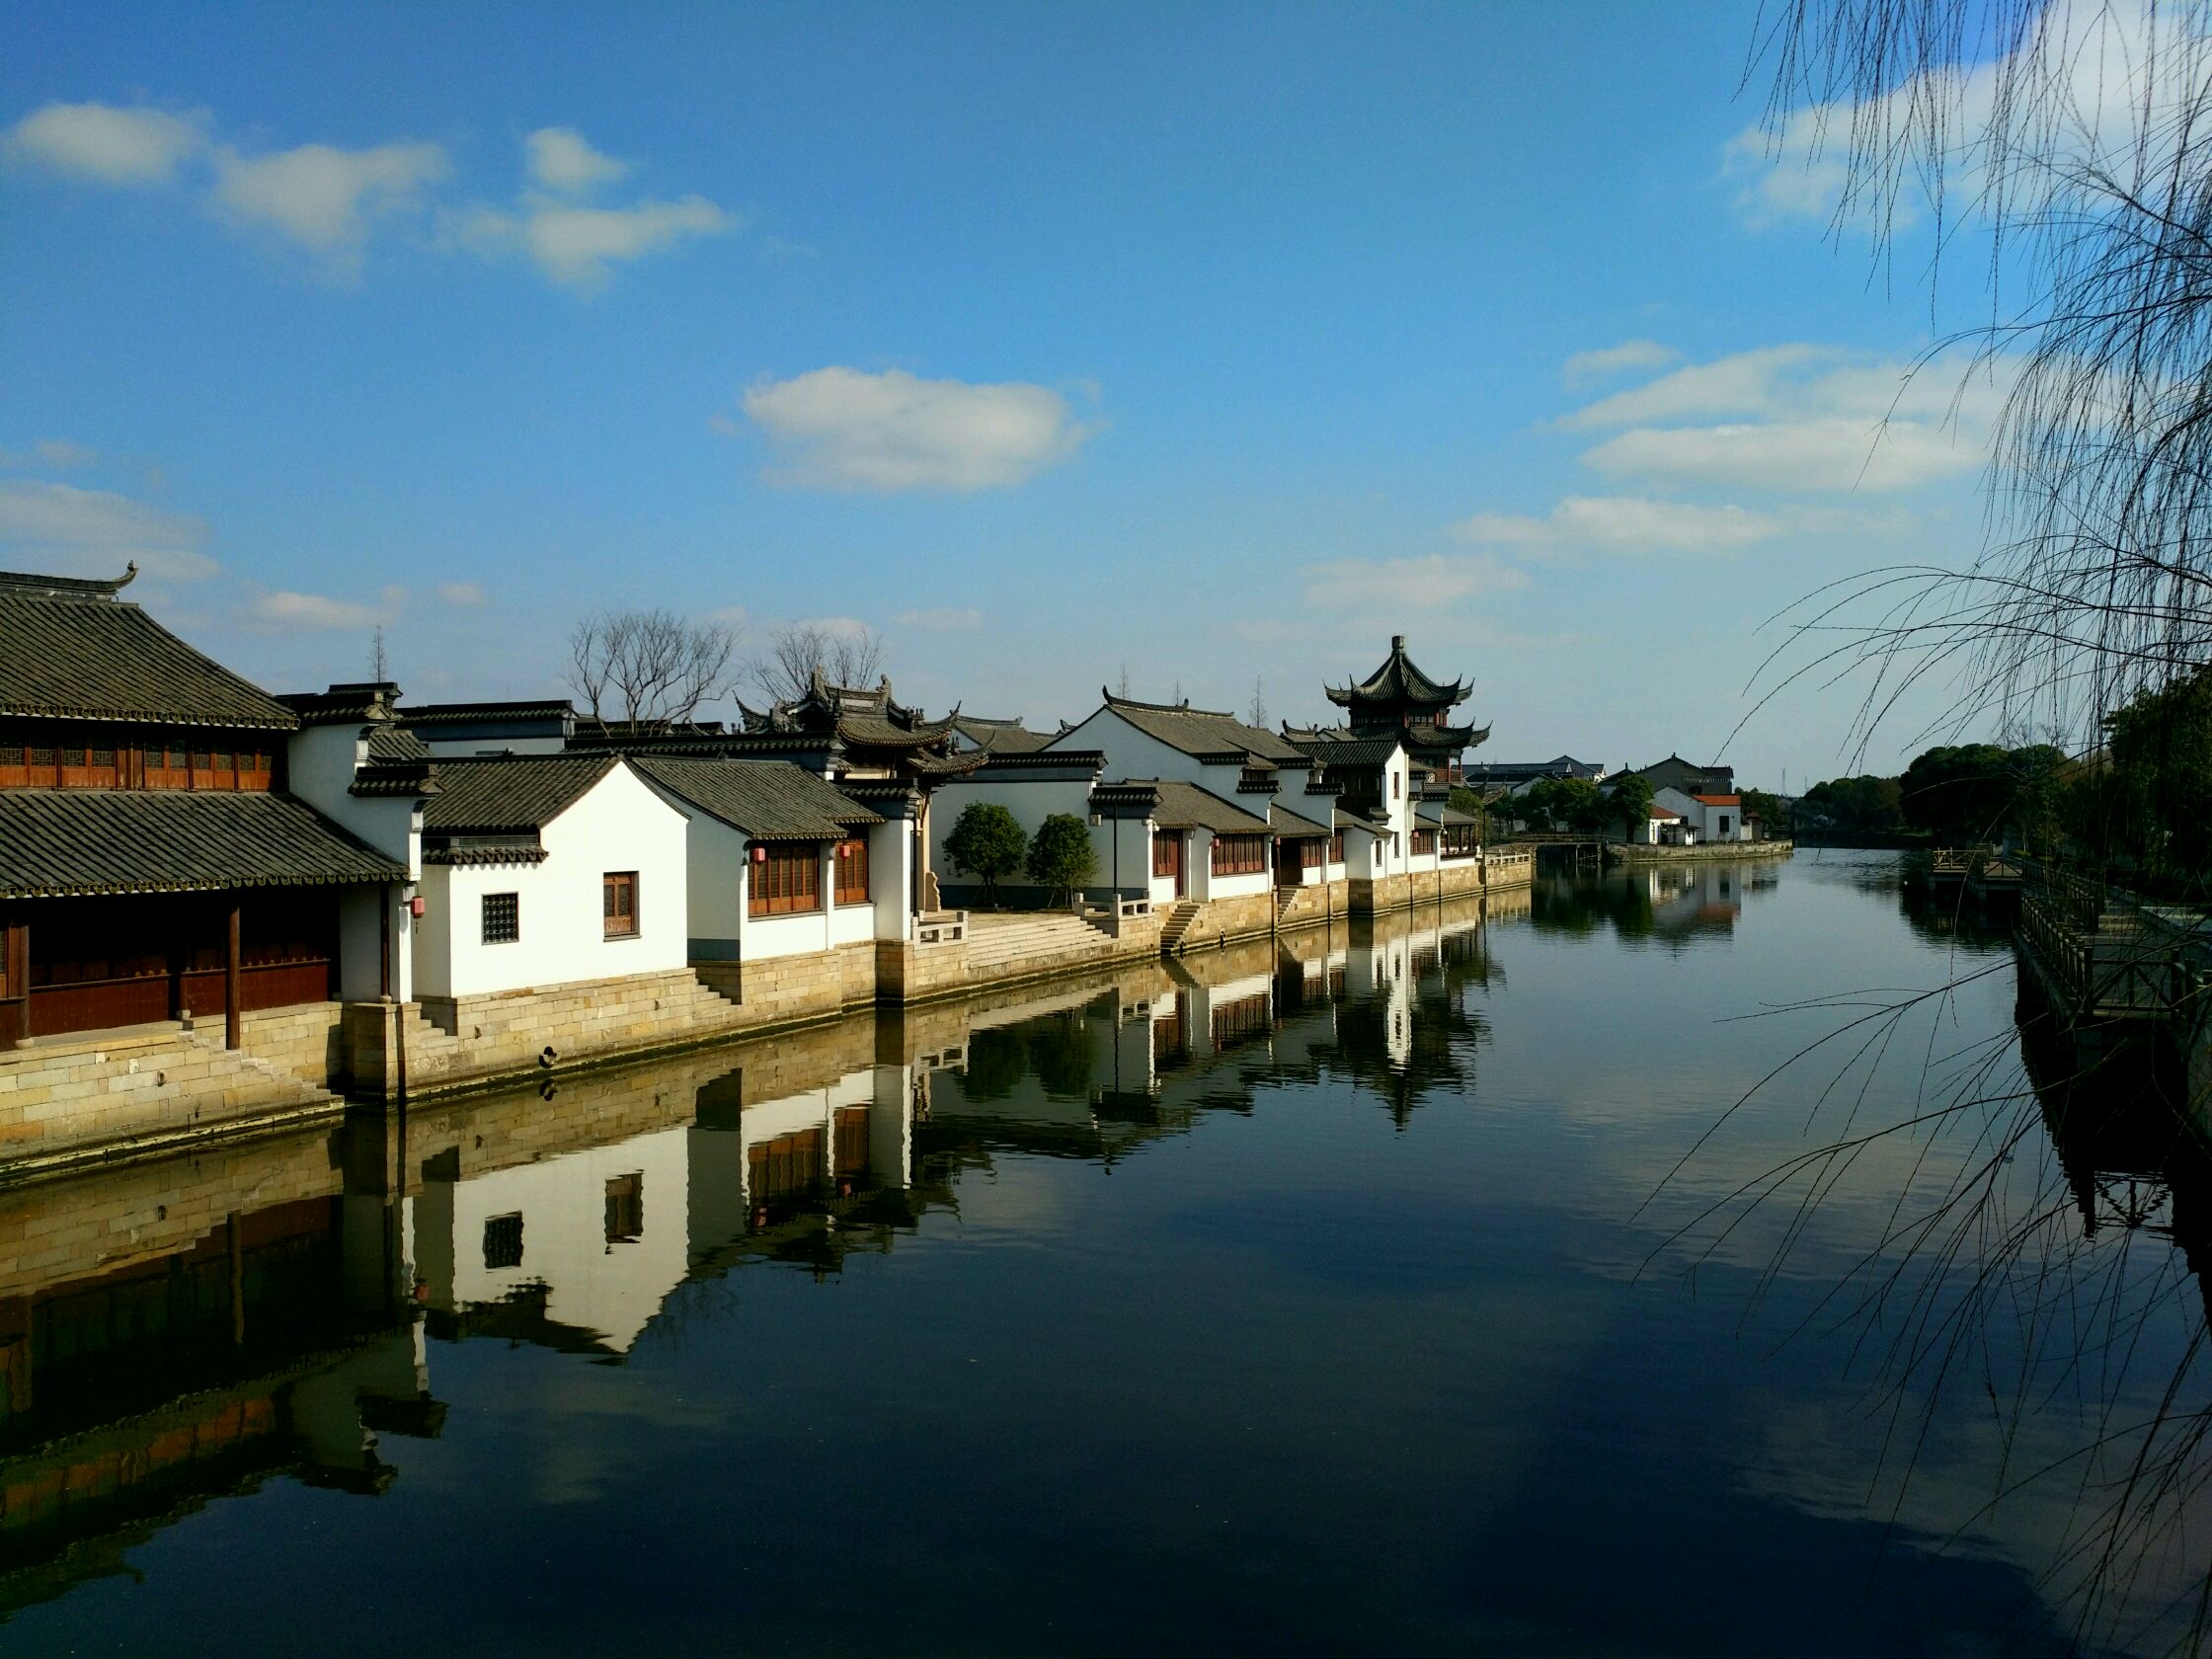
[1218, 343]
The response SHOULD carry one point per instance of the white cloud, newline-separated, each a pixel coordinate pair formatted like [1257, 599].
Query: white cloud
[106, 144]
[43, 525]
[1824, 455]
[1745, 383]
[941, 620]
[60, 452]
[1624, 524]
[2107, 74]
[323, 197]
[1419, 583]
[460, 592]
[285, 609]
[578, 246]
[1628, 355]
[561, 160]
[842, 429]
[1799, 417]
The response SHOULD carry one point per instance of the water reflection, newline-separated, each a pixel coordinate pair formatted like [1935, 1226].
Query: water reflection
[1674, 906]
[1363, 1363]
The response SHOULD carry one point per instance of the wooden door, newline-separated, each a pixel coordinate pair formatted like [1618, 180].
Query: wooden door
[1167, 857]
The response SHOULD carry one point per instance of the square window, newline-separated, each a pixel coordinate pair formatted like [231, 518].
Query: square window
[625, 1208]
[503, 1241]
[619, 902]
[503, 918]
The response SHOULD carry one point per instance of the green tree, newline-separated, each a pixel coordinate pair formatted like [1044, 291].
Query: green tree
[986, 841]
[1970, 792]
[1630, 803]
[1571, 803]
[1864, 803]
[1060, 856]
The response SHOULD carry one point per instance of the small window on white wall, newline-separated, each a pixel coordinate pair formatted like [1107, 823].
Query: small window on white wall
[503, 918]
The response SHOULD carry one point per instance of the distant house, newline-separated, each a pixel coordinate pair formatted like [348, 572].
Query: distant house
[1708, 817]
[1515, 777]
[1687, 777]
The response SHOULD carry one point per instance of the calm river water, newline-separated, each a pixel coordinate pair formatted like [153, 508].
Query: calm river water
[1333, 1299]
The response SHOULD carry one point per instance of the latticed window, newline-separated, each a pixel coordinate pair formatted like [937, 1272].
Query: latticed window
[1336, 847]
[786, 880]
[503, 918]
[619, 902]
[1309, 855]
[1424, 842]
[503, 1241]
[1240, 855]
[852, 872]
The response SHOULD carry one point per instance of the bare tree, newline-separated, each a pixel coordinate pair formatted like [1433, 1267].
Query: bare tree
[846, 654]
[1120, 688]
[648, 665]
[1256, 715]
[2081, 135]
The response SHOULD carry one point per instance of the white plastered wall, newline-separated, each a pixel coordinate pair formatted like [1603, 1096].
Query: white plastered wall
[617, 825]
[319, 764]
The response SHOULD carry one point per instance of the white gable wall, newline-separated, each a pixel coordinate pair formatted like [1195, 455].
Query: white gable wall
[619, 824]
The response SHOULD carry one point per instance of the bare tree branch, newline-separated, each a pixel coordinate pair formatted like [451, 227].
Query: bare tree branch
[846, 654]
[648, 665]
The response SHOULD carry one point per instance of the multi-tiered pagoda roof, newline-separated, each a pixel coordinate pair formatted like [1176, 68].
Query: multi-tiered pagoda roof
[1400, 700]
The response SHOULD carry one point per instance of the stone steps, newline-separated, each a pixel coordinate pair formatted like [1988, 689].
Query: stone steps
[1179, 921]
[994, 941]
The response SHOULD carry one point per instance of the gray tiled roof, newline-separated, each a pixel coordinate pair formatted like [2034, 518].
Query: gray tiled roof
[1185, 806]
[508, 792]
[1398, 680]
[1348, 751]
[1000, 737]
[396, 743]
[66, 654]
[1285, 822]
[768, 800]
[1202, 730]
[66, 841]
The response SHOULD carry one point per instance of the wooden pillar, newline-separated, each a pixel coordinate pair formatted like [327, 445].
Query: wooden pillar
[237, 1248]
[14, 939]
[232, 1035]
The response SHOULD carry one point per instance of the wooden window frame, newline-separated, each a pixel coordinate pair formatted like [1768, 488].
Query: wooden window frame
[1240, 855]
[851, 884]
[620, 923]
[1424, 842]
[1336, 847]
[784, 878]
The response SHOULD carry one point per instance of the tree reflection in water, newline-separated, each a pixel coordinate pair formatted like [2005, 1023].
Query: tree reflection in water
[2045, 1254]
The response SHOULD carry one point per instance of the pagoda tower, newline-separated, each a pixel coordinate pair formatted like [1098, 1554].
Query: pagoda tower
[1400, 700]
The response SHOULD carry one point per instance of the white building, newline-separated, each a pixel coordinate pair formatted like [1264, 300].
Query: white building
[1708, 817]
[541, 870]
[780, 863]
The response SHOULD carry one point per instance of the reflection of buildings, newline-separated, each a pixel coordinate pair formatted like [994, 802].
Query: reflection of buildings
[172, 1333]
[576, 1239]
[1673, 904]
[185, 1330]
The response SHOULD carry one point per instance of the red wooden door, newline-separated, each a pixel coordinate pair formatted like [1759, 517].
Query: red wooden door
[1167, 857]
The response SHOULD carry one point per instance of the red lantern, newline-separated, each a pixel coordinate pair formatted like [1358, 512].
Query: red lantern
[760, 856]
[416, 907]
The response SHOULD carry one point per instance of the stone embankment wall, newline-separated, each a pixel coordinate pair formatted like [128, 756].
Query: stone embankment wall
[55, 1232]
[67, 1102]
[1636, 852]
